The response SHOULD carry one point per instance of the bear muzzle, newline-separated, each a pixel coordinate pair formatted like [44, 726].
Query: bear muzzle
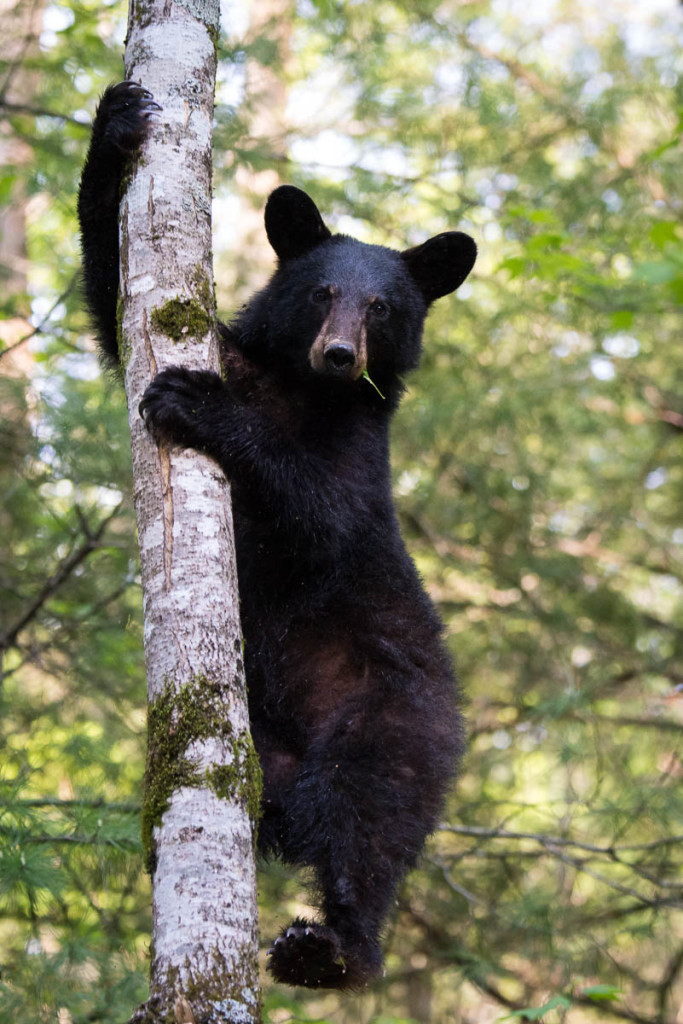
[339, 355]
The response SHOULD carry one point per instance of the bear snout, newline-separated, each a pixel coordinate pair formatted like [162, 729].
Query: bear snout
[339, 355]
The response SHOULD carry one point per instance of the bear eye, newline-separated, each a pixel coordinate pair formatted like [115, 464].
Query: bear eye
[321, 295]
[379, 309]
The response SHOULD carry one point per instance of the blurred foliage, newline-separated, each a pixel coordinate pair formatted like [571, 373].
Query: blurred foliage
[538, 475]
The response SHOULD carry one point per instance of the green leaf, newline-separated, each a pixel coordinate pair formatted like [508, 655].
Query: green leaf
[601, 992]
[366, 376]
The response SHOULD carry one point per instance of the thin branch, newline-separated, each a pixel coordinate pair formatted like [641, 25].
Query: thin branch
[665, 724]
[90, 544]
[63, 631]
[125, 808]
[672, 971]
[25, 108]
[121, 843]
[555, 846]
[17, 62]
[611, 851]
[581, 865]
[38, 329]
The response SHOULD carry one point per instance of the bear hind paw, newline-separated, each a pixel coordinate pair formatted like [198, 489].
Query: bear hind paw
[311, 954]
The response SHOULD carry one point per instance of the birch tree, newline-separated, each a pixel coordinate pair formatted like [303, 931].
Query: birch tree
[202, 784]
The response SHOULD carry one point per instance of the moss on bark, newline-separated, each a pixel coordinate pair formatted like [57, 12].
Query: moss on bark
[182, 318]
[177, 718]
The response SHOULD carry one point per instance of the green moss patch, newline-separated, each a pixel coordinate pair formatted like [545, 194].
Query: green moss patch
[177, 718]
[181, 318]
[241, 778]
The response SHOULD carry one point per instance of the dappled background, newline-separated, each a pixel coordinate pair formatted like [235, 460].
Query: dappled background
[538, 474]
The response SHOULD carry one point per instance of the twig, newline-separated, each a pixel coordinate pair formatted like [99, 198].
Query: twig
[38, 329]
[90, 544]
[25, 108]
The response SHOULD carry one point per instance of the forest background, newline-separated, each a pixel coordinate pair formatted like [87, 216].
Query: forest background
[538, 475]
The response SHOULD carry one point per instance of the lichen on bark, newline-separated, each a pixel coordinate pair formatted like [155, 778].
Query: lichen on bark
[213, 998]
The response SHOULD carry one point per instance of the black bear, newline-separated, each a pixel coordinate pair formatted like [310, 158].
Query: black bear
[353, 703]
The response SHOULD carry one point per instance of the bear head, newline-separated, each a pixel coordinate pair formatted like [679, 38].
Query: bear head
[338, 309]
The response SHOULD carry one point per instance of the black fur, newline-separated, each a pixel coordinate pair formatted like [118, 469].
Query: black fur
[353, 703]
[118, 131]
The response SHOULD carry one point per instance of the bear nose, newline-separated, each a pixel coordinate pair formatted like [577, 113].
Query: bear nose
[339, 355]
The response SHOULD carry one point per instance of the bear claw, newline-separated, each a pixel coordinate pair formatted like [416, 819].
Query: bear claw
[125, 114]
[312, 954]
[307, 954]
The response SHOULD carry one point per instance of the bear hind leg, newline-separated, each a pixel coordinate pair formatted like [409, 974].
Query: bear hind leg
[350, 817]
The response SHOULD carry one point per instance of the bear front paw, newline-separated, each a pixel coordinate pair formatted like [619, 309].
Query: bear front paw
[179, 404]
[124, 115]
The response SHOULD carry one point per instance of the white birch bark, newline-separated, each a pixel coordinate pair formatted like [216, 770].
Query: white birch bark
[202, 778]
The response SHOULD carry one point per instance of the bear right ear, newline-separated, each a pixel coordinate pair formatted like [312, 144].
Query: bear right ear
[441, 264]
[293, 223]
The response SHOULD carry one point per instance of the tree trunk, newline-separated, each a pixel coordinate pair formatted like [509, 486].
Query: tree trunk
[202, 785]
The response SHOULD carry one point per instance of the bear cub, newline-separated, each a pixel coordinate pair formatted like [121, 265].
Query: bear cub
[353, 703]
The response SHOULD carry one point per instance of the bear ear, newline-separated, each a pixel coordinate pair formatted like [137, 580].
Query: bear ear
[441, 264]
[293, 223]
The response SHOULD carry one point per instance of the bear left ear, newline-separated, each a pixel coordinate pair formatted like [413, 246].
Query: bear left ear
[293, 223]
[441, 264]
